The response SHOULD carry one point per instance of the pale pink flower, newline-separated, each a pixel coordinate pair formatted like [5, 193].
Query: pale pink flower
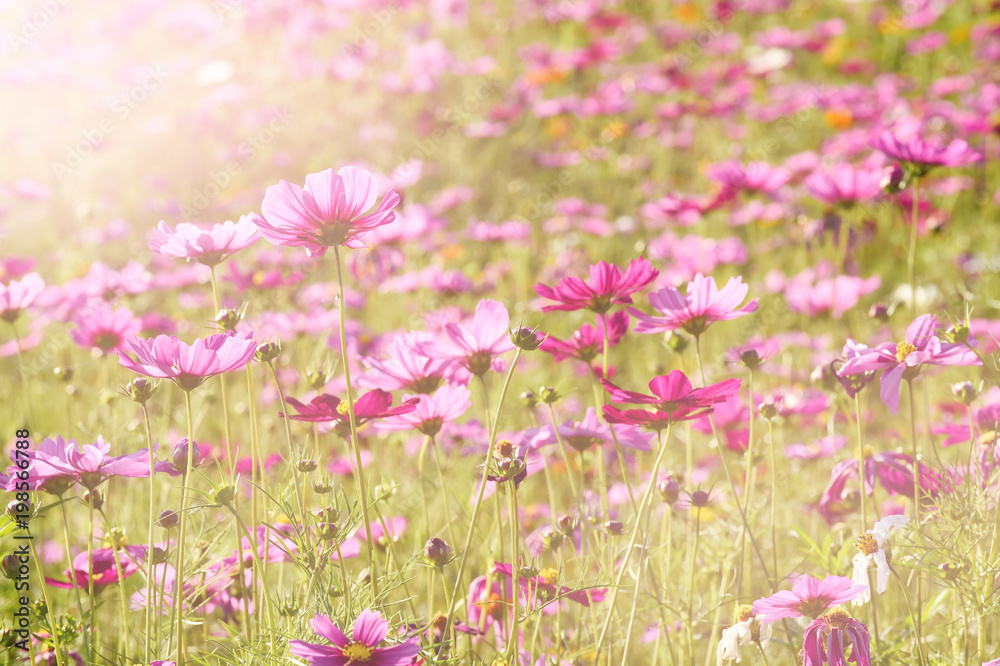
[703, 305]
[207, 246]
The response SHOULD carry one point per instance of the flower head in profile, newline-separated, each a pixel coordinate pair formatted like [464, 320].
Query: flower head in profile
[673, 399]
[702, 305]
[809, 597]
[872, 549]
[210, 245]
[363, 647]
[406, 368]
[332, 209]
[746, 629]
[845, 185]
[17, 295]
[326, 408]
[905, 360]
[827, 639]
[167, 357]
[431, 411]
[751, 177]
[587, 343]
[607, 287]
[925, 154]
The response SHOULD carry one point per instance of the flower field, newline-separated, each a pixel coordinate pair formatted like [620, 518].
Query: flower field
[515, 332]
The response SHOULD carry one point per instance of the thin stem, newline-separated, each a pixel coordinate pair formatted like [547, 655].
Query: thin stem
[909, 610]
[444, 491]
[912, 255]
[690, 581]
[222, 382]
[482, 487]
[515, 542]
[292, 453]
[90, 570]
[861, 464]
[150, 640]
[76, 584]
[23, 377]
[916, 499]
[48, 604]
[774, 496]
[355, 443]
[643, 504]
[181, 650]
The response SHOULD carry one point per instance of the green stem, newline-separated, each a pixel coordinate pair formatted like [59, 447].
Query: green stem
[444, 491]
[222, 381]
[861, 464]
[355, 443]
[482, 487]
[150, 639]
[181, 649]
[912, 255]
[690, 599]
[514, 645]
[76, 584]
[916, 502]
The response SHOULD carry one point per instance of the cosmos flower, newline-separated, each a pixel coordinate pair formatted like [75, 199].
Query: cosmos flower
[369, 632]
[925, 154]
[844, 185]
[606, 287]
[104, 329]
[544, 586]
[905, 360]
[703, 305]
[431, 411]
[104, 572]
[588, 433]
[57, 462]
[809, 597]
[167, 357]
[407, 369]
[871, 548]
[587, 343]
[475, 347]
[332, 209]
[209, 246]
[326, 408]
[674, 391]
[827, 638]
[752, 177]
[17, 295]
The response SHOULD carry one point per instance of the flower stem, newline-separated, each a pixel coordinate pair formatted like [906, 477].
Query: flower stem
[90, 574]
[354, 428]
[912, 255]
[150, 625]
[444, 491]
[916, 502]
[482, 488]
[181, 649]
[515, 542]
[774, 495]
[76, 584]
[222, 382]
[861, 464]
[643, 505]
[690, 581]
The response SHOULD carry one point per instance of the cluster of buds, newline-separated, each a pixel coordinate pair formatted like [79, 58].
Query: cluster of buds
[327, 523]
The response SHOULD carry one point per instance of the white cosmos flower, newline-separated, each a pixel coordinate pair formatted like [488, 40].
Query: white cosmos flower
[871, 549]
[741, 634]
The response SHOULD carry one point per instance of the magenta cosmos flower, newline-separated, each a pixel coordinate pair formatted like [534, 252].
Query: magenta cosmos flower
[89, 464]
[587, 343]
[166, 357]
[606, 287]
[332, 209]
[845, 185]
[207, 246]
[703, 305]
[673, 399]
[905, 360]
[809, 597]
[18, 295]
[477, 347]
[105, 571]
[752, 177]
[369, 631]
[925, 154]
[827, 638]
[432, 411]
[406, 368]
[326, 408]
[103, 329]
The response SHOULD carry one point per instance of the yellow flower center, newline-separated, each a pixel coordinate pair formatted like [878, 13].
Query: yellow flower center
[904, 349]
[343, 408]
[549, 576]
[743, 613]
[837, 617]
[358, 652]
[867, 545]
[503, 449]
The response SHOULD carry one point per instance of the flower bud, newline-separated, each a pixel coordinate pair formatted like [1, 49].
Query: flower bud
[267, 352]
[94, 498]
[750, 358]
[63, 373]
[316, 379]
[322, 488]
[140, 389]
[700, 499]
[958, 333]
[116, 538]
[567, 524]
[529, 399]
[168, 519]
[10, 565]
[306, 466]
[224, 495]
[768, 409]
[552, 538]
[614, 527]
[327, 531]
[676, 342]
[893, 179]
[437, 553]
[549, 395]
[669, 489]
[965, 392]
[180, 456]
[825, 377]
[227, 319]
[18, 511]
[879, 311]
[526, 339]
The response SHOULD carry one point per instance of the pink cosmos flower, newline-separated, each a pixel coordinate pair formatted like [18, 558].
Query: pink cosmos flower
[332, 209]
[606, 287]
[206, 246]
[905, 360]
[18, 295]
[12, 268]
[369, 632]
[673, 399]
[752, 177]
[893, 471]
[843, 184]
[104, 329]
[809, 597]
[432, 411]
[167, 357]
[826, 639]
[406, 368]
[814, 291]
[703, 305]
[588, 433]
[587, 343]
[925, 154]
[88, 464]
[105, 571]
[477, 347]
[543, 587]
[325, 408]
